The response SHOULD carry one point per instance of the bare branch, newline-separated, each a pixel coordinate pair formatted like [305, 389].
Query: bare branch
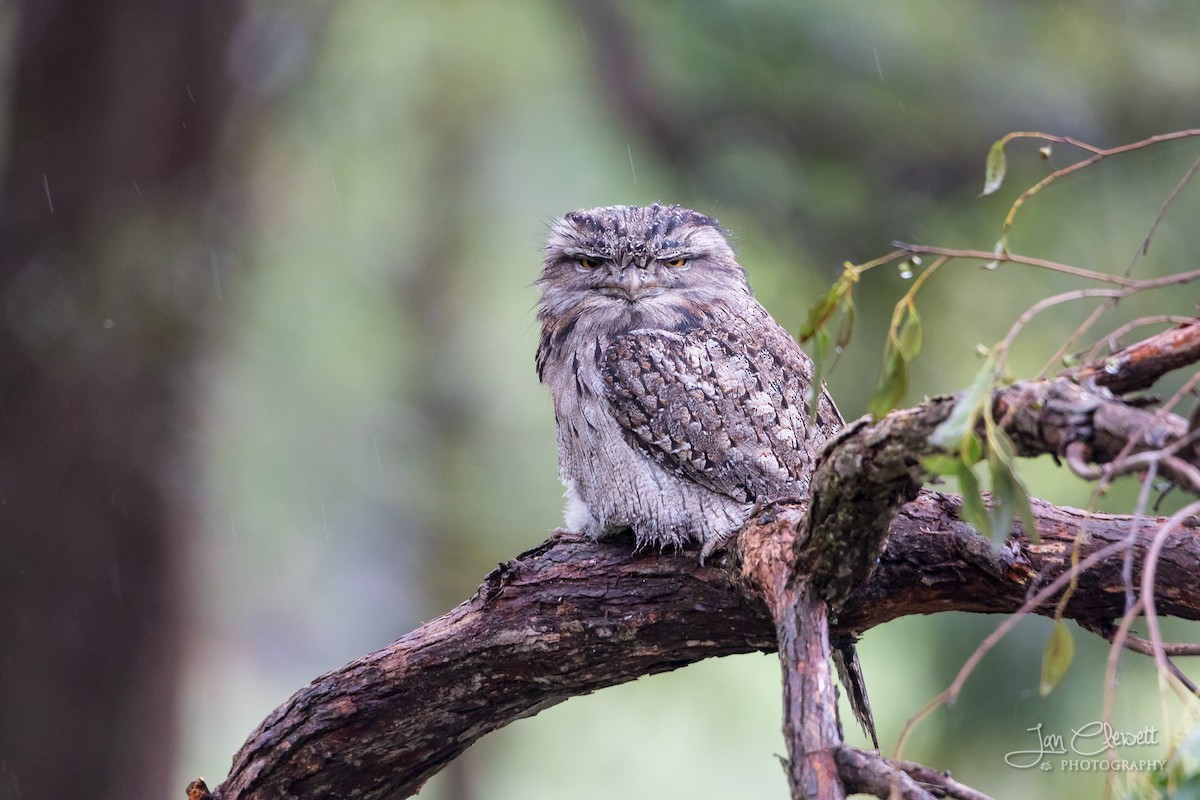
[1140, 365]
[870, 773]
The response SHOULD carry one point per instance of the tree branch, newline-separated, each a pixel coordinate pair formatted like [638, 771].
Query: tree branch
[1140, 365]
[572, 616]
[869, 772]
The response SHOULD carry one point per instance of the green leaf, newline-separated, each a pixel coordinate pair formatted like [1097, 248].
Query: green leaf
[997, 164]
[1010, 490]
[1056, 658]
[902, 347]
[821, 310]
[971, 449]
[892, 386]
[973, 511]
[911, 336]
[953, 430]
[941, 465]
[1000, 514]
[845, 324]
[1024, 510]
[820, 357]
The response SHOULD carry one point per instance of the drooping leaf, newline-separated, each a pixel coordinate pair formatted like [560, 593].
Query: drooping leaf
[971, 449]
[1024, 510]
[820, 356]
[952, 431]
[902, 347]
[973, 511]
[997, 165]
[892, 386]
[1056, 658]
[1007, 483]
[820, 311]
[1002, 510]
[941, 465]
[911, 335]
[846, 324]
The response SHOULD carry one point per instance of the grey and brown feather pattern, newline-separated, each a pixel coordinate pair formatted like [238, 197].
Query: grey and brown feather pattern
[724, 409]
[680, 403]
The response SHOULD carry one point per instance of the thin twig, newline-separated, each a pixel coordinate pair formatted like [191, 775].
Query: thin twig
[1083, 328]
[1029, 261]
[1162, 213]
[1144, 646]
[1110, 678]
[942, 780]
[1076, 455]
[1042, 305]
[1097, 155]
[950, 694]
[1112, 339]
[1173, 279]
[1150, 424]
[1149, 571]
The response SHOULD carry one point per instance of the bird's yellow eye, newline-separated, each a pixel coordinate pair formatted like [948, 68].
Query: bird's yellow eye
[676, 262]
[588, 263]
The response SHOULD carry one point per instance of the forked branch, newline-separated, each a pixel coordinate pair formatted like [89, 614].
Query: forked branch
[572, 616]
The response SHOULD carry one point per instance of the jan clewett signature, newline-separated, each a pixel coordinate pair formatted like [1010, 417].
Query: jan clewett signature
[1091, 739]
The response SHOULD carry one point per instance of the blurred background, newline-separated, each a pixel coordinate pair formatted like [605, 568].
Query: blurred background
[267, 398]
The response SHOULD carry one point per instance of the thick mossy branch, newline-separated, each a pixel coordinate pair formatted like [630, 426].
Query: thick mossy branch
[871, 468]
[861, 479]
[572, 616]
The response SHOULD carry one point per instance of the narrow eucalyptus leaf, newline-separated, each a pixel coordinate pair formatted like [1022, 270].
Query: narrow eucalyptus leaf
[820, 357]
[1005, 454]
[997, 165]
[819, 312]
[1001, 513]
[1057, 657]
[892, 386]
[950, 433]
[911, 335]
[846, 324]
[973, 511]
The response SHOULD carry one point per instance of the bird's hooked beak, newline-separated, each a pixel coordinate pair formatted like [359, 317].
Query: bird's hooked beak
[631, 283]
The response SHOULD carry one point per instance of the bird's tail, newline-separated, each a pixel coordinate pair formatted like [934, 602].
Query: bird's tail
[845, 659]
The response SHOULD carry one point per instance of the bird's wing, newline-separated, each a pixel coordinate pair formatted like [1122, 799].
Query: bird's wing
[723, 407]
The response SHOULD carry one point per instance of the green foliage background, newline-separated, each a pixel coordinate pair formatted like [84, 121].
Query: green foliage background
[374, 437]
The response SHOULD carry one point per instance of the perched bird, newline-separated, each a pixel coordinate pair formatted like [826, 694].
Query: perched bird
[681, 404]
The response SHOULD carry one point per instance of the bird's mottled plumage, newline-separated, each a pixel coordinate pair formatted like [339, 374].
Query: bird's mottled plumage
[680, 403]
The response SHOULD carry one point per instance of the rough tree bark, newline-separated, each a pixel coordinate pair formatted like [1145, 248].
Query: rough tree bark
[572, 616]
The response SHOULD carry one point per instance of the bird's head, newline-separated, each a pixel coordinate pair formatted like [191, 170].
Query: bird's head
[626, 267]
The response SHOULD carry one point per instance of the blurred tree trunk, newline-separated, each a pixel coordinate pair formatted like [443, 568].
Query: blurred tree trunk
[108, 232]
